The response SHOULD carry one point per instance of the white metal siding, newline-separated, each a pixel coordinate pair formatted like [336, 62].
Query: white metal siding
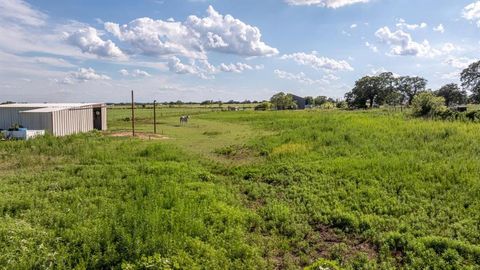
[104, 117]
[72, 121]
[10, 116]
[37, 121]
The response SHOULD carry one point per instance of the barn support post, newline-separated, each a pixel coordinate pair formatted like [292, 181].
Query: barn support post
[155, 117]
[133, 115]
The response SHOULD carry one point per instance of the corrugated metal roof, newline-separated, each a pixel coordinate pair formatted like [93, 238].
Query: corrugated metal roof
[48, 105]
[45, 110]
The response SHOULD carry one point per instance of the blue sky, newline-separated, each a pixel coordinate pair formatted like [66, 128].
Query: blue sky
[195, 50]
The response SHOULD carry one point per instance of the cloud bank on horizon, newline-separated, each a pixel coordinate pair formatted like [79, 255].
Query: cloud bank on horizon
[325, 3]
[310, 47]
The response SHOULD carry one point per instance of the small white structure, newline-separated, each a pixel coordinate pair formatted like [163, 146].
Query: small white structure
[22, 134]
[59, 119]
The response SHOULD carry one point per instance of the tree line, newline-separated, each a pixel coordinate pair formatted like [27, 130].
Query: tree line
[387, 89]
[283, 101]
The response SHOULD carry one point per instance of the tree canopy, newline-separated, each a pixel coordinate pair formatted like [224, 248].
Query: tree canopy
[320, 100]
[470, 78]
[386, 88]
[410, 86]
[309, 100]
[282, 101]
[452, 94]
[371, 90]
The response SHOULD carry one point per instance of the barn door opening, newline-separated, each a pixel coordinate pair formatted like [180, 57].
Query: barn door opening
[97, 118]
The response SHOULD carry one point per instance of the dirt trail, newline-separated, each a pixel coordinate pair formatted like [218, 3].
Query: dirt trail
[139, 135]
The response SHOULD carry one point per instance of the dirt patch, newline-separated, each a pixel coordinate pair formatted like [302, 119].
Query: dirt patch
[325, 243]
[329, 244]
[234, 152]
[6, 166]
[139, 135]
[236, 155]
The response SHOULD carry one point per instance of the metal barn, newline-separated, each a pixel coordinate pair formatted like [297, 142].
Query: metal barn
[59, 119]
[301, 102]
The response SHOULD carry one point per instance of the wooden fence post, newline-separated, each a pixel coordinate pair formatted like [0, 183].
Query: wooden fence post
[133, 116]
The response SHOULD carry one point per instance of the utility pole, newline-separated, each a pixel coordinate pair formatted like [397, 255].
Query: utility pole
[133, 116]
[155, 117]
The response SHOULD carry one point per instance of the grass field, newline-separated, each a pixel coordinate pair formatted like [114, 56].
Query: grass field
[245, 190]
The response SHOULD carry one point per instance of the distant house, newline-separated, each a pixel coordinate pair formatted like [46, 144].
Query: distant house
[301, 102]
[59, 119]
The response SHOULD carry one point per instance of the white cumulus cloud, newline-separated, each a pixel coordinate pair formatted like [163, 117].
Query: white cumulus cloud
[448, 48]
[371, 47]
[325, 3]
[472, 12]
[300, 77]
[89, 41]
[229, 35]
[303, 78]
[192, 38]
[318, 62]
[439, 28]
[83, 75]
[402, 24]
[200, 68]
[176, 65]
[235, 68]
[459, 62]
[401, 43]
[124, 72]
[135, 73]
[156, 37]
[205, 70]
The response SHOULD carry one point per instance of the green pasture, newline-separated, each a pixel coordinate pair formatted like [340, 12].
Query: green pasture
[245, 190]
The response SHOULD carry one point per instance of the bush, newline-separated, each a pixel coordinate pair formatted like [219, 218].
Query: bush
[473, 116]
[265, 106]
[327, 106]
[342, 105]
[427, 104]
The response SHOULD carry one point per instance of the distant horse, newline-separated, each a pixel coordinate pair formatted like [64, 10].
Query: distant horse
[184, 119]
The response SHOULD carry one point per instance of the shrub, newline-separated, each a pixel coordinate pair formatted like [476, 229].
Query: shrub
[339, 251]
[448, 114]
[327, 106]
[427, 104]
[265, 106]
[211, 133]
[342, 105]
[344, 221]
[473, 116]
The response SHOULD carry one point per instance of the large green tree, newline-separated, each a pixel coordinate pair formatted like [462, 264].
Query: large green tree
[320, 100]
[411, 86]
[309, 100]
[452, 94]
[388, 93]
[371, 90]
[470, 78]
[282, 101]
